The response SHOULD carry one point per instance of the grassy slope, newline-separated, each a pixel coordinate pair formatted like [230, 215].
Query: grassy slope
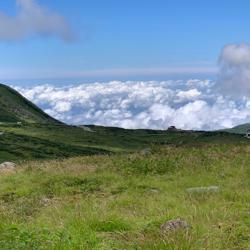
[119, 201]
[241, 129]
[31, 141]
[21, 147]
[16, 108]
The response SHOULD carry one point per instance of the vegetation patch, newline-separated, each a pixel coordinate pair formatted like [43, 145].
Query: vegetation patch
[125, 200]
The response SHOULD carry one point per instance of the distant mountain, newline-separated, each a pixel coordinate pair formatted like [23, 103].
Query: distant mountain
[240, 129]
[15, 108]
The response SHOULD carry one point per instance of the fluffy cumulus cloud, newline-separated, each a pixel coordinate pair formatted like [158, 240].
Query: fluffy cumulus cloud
[234, 74]
[193, 104]
[33, 19]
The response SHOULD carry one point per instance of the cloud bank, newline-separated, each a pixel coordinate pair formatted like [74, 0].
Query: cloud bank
[234, 73]
[33, 20]
[192, 104]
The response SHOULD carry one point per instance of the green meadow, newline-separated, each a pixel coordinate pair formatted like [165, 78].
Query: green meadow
[29, 141]
[119, 201]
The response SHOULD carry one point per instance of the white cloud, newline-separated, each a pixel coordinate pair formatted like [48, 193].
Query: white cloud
[32, 19]
[193, 104]
[191, 94]
[62, 106]
[234, 74]
[236, 54]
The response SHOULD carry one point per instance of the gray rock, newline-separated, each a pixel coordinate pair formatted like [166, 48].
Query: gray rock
[87, 129]
[146, 151]
[175, 225]
[45, 201]
[209, 189]
[7, 167]
[154, 190]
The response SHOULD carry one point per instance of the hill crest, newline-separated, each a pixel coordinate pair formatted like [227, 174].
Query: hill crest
[15, 108]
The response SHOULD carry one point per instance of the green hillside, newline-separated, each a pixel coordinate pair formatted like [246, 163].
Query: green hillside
[15, 108]
[240, 129]
[32, 141]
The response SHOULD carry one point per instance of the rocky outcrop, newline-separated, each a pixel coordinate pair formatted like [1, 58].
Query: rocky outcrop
[7, 167]
[209, 189]
[175, 225]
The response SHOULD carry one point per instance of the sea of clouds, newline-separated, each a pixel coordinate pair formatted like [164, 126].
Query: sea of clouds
[186, 104]
[193, 104]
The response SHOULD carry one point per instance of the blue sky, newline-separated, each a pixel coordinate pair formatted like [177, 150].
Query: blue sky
[131, 64]
[125, 40]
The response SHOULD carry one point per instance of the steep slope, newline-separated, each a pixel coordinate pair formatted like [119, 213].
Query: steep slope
[15, 108]
[240, 129]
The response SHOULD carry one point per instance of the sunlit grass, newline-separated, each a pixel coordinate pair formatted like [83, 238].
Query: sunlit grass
[120, 201]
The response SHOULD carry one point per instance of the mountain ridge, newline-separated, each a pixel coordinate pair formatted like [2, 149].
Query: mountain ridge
[16, 108]
[239, 129]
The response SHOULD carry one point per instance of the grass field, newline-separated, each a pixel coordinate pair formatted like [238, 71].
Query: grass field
[49, 141]
[119, 201]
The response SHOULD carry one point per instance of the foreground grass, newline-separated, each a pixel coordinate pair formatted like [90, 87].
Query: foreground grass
[120, 201]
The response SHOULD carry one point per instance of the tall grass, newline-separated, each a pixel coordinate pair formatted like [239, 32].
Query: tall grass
[120, 201]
